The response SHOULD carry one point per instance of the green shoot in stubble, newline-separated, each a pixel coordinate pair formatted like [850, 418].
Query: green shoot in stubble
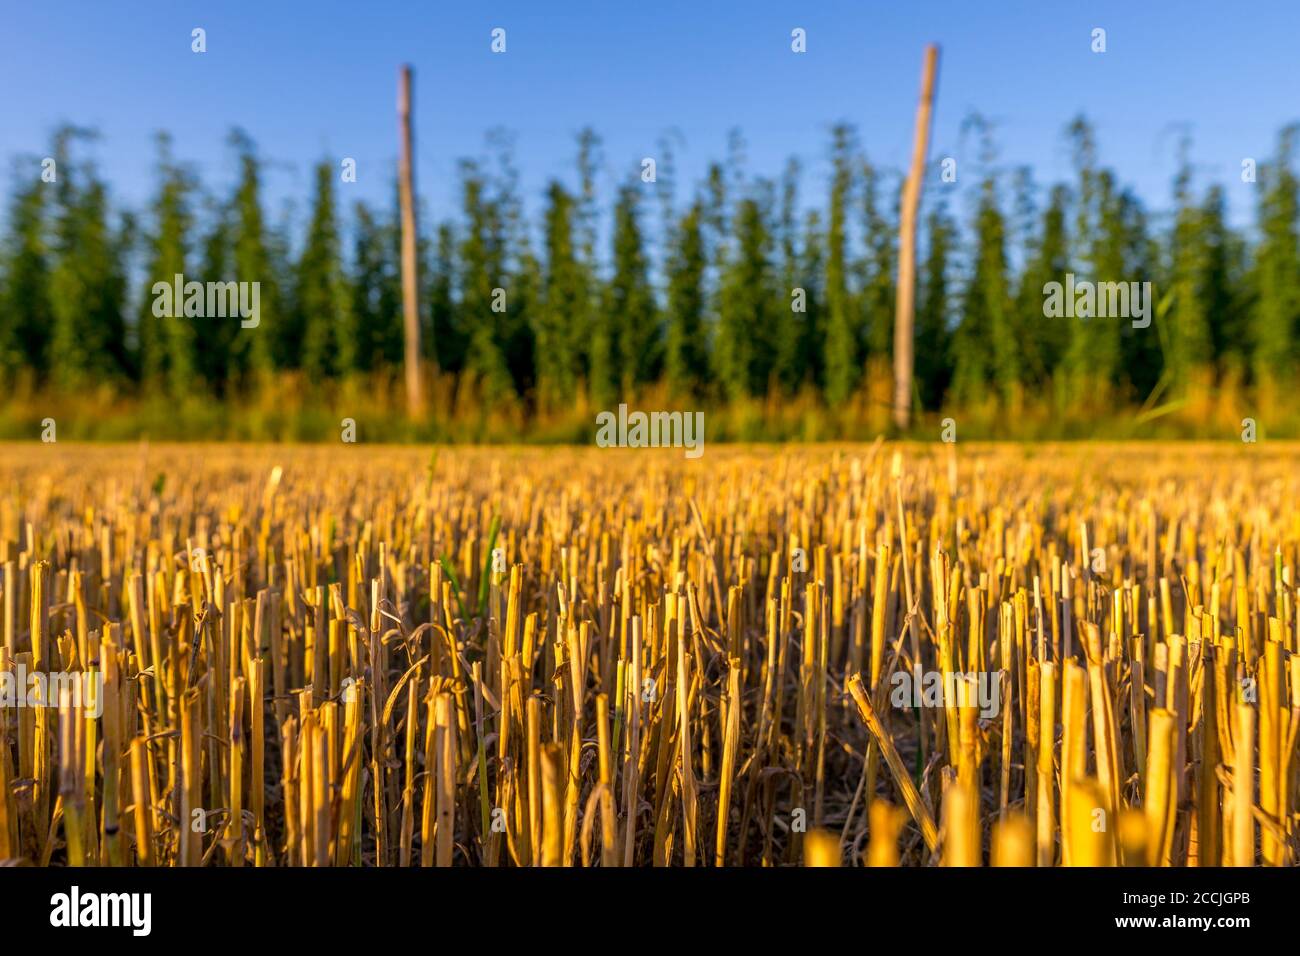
[485, 578]
[455, 583]
[484, 814]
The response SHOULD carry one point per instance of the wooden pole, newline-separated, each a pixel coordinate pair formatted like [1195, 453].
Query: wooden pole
[410, 284]
[904, 303]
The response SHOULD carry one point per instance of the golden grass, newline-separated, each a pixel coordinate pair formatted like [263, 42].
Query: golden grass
[373, 656]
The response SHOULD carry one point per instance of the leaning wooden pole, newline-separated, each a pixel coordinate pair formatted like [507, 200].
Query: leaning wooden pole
[410, 280]
[905, 300]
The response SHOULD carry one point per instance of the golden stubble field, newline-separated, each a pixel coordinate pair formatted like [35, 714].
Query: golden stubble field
[857, 655]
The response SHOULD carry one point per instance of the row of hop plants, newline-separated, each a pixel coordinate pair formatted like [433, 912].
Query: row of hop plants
[363, 656]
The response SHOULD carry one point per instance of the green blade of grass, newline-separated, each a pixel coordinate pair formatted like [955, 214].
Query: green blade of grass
[455, 582]
[487, 565]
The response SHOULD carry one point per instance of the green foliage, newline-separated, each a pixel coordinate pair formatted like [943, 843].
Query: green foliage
[252, 354]
[26, 313]
[485, 578]
[559, 319]
[606, 298]
[1276, 278]
[215, 341]
[1223, 280]
[686, 343]
[87, 287]
[329, 344]
[788, 360]
[934, 308]
[810, 325]
[1189, 336]
[376, 291]
[446, 345]
[482, 267]
[1044, 340]
[986, 348]
[842, 345]
[167, 349]
[749, 306]
[878, 268]
[522, 279]
[628, 330]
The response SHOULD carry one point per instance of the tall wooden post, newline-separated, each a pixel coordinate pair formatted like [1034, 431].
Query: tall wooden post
[410, 275]
[905, 300]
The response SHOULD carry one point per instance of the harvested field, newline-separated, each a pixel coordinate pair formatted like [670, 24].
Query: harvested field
[853, 655]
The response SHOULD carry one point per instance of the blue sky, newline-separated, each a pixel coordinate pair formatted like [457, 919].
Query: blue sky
[314, 80]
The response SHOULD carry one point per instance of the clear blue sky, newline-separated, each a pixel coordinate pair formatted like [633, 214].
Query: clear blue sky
[310, 80]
